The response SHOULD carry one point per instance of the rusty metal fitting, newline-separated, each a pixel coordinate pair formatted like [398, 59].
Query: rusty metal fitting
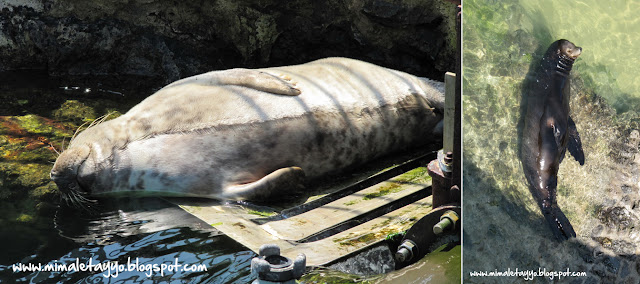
[271, 267]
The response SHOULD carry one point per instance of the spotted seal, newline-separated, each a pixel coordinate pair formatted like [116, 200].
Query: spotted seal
[252, 134]
[549, 131]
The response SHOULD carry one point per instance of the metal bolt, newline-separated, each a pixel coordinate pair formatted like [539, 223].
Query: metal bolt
[448, 158]
[447, 220]
[445, 161]
[406, 251]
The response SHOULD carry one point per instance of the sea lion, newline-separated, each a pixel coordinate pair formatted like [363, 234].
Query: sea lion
[549, 131]
[251, 134]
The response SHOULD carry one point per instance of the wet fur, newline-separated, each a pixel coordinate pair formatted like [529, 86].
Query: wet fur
[549, 131]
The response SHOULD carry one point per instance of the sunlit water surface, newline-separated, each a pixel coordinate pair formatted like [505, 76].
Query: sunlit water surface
[141, 242]
[503, 224]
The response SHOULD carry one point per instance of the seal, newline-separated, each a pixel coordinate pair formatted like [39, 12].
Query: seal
[251, 134]
[549, 131]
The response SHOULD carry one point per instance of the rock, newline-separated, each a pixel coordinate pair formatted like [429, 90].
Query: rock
[172, 40]
[617, 217]
[376, 260]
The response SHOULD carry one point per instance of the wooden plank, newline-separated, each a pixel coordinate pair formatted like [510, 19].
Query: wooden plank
[341, 210]
[236, 225]
[239, 227]
[330, 231]
[449, 112]
[327, 250]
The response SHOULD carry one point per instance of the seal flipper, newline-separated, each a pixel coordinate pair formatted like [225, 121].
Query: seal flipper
[273, 184]
[559, 224]
[262, 81]
[574, 145]
[253, 79]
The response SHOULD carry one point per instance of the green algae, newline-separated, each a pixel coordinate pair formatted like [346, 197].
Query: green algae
[327, 276]
[50, 189]
[25, 218]
[352, 202]
[383, 191]
[262, 213]
[417, 175]
[28, 146]
[35, 124]
[346, 241]
[395, 235]
[23, 176]
[75, 111]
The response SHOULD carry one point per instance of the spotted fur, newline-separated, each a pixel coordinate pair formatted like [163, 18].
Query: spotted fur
[216, 135]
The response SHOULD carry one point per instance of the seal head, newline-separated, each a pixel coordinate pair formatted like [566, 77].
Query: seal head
[567, 53]
[65, 175]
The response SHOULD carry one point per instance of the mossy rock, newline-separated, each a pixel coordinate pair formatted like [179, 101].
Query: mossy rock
[74, 111]
[49, 190]
[24, 176]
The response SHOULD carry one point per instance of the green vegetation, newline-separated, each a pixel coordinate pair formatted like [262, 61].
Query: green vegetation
[418, 175]
[262, 213]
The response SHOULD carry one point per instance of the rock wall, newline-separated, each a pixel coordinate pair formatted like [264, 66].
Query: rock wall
[174, 39]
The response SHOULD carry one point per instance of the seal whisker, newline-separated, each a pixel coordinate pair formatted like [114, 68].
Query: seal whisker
[77, 131]
[95, 121]
[54, 150]
[82, 202]
[101, 119]
[82, 198]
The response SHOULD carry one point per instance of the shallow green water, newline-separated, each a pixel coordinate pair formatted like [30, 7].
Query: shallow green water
[608, 32]
[440, 266]
[502, 40]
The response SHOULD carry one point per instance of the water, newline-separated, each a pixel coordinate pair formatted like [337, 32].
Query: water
[141, 235]
[609, 32]
[502, 40]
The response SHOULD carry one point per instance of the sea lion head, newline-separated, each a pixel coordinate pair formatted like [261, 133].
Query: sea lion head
[65, 174]
[568, 49]
[560, 57]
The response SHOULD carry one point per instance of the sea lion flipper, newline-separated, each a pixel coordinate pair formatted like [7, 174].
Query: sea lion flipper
[559, 224]
[273, 184]
[574, 144]
[254, 79]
